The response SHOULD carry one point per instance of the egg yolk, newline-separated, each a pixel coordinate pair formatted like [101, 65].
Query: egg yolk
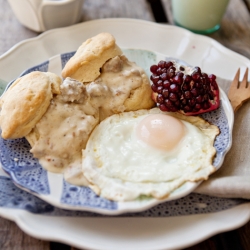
[160, 131]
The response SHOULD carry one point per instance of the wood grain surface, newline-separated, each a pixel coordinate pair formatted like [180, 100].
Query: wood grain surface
[234, 34]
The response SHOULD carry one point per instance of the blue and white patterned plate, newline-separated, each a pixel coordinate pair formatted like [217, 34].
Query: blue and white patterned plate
[28, 174]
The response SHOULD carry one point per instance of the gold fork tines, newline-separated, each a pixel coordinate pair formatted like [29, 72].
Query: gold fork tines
[239, 92]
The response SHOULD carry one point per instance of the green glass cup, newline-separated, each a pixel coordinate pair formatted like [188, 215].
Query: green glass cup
[199, 16]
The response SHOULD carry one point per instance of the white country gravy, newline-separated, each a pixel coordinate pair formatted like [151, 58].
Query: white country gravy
[119, 78]
[59, 137]
[63, 131]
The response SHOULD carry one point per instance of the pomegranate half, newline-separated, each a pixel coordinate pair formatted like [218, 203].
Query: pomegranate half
[178, 88]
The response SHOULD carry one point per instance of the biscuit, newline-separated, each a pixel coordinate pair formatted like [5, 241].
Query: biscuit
[85, 65]
[122, 86]
[26, 101]
[140, 98]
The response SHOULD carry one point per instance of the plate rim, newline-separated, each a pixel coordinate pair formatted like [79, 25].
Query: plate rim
[109, 21]
[19, 216]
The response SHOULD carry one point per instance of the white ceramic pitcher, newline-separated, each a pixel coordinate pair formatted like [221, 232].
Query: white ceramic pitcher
[41, 15]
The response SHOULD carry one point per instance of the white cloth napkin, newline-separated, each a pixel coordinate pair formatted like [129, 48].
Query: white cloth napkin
[232, 180]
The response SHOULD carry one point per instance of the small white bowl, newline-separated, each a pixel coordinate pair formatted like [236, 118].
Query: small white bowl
[41, 15]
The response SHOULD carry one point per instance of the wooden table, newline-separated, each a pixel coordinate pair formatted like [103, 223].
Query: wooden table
[234, 34]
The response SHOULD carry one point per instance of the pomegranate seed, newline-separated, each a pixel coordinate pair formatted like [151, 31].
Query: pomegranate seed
[211, 95]
[174, 88]
[172, 68]
[199, 85]
[164, 76]
[204, 75]
[153, 69]
[163, 107]
[184, 101]
[185, 87]
[177, 103]
[159, 89]
[158, 71]
[187, 78]
[166, 84]
[154, 87]
[165, 93]
[199, 99]
[187, 109]
[162, 64]
[207, 81]
[206, 105]
[180, 74]
[196, 76]
[154, 78]
[212, 77]
[181, 68]
[164, 70]
[168, 103]
[169, 64]
[195, 92]
[173, 97]
[191, 102]
[173, 109]
[170, 73]
[160, 98]
[202, 91]
[178, 79]
[197, 69]
[205, 97]
[214, 85]
[159, 83]
[197, 106]
[187, 94]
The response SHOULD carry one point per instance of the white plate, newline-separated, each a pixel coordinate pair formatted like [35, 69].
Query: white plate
[28, 174]
[212, 57]
[150, 230]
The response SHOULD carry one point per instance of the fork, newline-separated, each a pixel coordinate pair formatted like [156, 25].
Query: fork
[239, 92]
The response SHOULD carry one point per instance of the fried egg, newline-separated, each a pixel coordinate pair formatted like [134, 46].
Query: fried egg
[148, 152]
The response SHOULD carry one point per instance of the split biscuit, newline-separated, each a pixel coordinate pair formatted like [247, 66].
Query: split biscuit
[85, 65]
[26, 101]
[140, 98]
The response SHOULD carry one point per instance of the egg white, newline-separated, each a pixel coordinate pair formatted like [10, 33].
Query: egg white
[121, 167]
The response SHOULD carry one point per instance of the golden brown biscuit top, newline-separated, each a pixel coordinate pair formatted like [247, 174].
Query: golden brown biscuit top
[25, 102]
[85, 65]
